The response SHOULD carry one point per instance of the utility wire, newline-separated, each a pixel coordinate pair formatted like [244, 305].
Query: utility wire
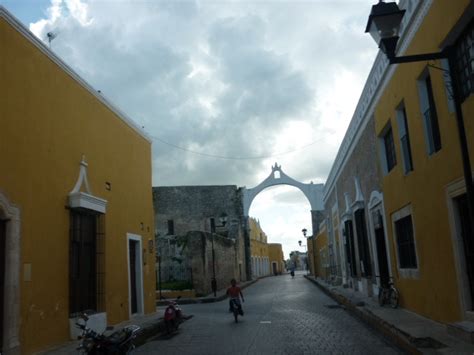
[234, 158]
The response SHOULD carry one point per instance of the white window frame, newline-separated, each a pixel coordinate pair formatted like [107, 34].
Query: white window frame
[406, 273]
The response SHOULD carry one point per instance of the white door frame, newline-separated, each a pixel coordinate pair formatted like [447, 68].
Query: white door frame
[454, 190]
[138, 274]
[376, 203]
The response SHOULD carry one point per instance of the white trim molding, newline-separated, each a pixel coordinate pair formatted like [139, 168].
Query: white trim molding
[376, 205]
[138, 275]
[85, 200]
[11, 291]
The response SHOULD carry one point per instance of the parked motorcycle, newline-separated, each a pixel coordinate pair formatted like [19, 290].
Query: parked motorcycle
[173, 316]
[117, 343]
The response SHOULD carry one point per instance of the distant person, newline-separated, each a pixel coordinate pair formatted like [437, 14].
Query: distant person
[292, 271]
[235, 293]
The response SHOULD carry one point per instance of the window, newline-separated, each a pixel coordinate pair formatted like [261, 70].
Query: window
[404, 139]
[86, 258]
[389, 148]
[170, 227]
[406, 243]
[429, 114]
[465, 62]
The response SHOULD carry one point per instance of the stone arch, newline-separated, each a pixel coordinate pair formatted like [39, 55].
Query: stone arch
[11, 295]
[313, 192]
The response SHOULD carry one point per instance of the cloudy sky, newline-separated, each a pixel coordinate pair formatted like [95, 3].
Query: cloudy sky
[224, 88]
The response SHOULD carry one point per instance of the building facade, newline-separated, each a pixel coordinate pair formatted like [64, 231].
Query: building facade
[76, 213]
[418, 143]
[259, 250]
[410, 200]
[276, 259]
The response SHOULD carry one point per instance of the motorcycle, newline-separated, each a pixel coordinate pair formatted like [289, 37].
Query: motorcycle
[119, 342]
[173, 316]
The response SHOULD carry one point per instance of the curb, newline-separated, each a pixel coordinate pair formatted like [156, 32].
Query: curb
[204, 299]
[395, 335]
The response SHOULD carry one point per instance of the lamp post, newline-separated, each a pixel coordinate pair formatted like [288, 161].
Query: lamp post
[306, 258]
[304, 231]
[384, 25]
[223, 220]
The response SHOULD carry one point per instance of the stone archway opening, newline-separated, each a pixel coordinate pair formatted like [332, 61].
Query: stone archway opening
[312, 192]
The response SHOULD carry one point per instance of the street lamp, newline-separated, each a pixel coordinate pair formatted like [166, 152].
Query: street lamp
[304, 231]
[384, 25]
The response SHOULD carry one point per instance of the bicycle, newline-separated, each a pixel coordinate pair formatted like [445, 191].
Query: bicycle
[388, 294]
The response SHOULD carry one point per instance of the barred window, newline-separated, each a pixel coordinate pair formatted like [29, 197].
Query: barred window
[404, 139]
[390, 155]
[86, 259]
[406, 243]
[465, 62]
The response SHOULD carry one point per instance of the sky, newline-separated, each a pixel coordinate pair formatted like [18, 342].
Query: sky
[224, 88]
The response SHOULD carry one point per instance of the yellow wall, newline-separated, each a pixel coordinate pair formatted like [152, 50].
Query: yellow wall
[48, 121]
[311, 255]
[320, 245]
[258, 239]
[275, 254]
[425, 187]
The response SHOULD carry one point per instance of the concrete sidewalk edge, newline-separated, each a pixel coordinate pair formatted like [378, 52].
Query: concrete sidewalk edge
[390, 331]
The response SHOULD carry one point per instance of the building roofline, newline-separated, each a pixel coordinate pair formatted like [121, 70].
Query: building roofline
[21, 28]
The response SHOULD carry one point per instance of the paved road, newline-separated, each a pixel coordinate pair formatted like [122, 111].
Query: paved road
[282, 316]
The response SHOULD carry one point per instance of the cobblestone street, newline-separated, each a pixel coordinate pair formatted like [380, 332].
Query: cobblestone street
[282, 316]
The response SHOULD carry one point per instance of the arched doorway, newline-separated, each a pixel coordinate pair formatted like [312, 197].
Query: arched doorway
[313, 192]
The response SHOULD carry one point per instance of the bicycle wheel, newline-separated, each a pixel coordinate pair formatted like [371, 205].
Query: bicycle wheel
[381, 296]
[393, 297]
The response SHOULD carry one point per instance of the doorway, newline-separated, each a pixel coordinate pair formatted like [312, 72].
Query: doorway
[135, 274]
[3, 235]
[274, 268]
[461, 206]
[381, 247]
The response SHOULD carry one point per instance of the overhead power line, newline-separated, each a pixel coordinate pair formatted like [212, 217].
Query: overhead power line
[233, 157]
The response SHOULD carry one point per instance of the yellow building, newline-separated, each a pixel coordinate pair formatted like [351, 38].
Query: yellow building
[275, 257]
[423, 187]
[258, 249]
[320, 253]
[76, 213]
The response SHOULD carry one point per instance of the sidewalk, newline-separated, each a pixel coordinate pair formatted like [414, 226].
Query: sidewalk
[150, 324]
[411, 332]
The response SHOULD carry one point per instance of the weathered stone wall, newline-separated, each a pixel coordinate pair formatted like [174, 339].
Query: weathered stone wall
[200, 246]
[191, 209]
